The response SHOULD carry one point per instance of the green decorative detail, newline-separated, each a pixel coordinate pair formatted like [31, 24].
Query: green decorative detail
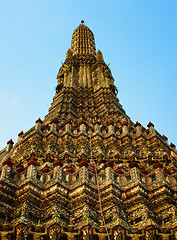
[128, 178]
[103, 177]
[153, 178]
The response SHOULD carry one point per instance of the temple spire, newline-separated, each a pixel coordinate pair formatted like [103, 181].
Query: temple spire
[83, 42]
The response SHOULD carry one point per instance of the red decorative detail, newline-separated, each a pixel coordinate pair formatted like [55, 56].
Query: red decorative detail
[21, 168]
[75, 126]
[61, 125]
[137, 124]
[143, 171]
[103, 127]
[21, 133]
[168, 172]
[68, 121]
[83, 163]
[173, 170]
[70, 170]
[46, 169]
[172, 145]
[133, 164]
[119, 170]
[108, 164]
[96, 122]
[32, 161]
[116, 127]
[100, 157]
[8, 162]
[130, 128]
[143, 129]
[10, 142]
[150, 125]
[39, 121]
[110, 123]
[165, 137]
[58, 163]
[157, 165]
[124, 123]
[46, 126]
[82, 122]
[94, 170]
[132, 157]
[54, 121]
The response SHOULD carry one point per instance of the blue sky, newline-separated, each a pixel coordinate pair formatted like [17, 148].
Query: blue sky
[138, 38]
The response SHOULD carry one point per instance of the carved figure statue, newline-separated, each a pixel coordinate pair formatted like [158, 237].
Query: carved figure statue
[55, 232]
[21, 236]
[5, 233]
[21, 232]
[70, 235]
[37, 234]
[164, 236]
[118, 233]
[101, 235]
[135, 236]
[87, 233]
[150, 233]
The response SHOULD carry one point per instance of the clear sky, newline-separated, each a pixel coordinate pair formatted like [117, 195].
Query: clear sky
[137, 37]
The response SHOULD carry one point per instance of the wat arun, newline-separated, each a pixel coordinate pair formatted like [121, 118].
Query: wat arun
[86, 171]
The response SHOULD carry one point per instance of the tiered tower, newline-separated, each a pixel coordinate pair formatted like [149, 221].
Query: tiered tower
[87, 171]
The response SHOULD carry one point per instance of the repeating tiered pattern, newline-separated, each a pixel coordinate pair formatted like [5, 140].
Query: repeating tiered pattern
[87, 171]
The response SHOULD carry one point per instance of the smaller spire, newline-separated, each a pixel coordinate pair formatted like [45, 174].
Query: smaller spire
[69, 54]
[99, 56]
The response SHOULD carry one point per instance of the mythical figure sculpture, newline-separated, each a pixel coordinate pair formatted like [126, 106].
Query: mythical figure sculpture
[5, 233]
[37, 234]
[70, 234]
[150, 233]
[164, 236]
[101, 234]
[87, 232]
[21, 232]
[118, 233]
[135, 236]
[54, 232]
[21, 236]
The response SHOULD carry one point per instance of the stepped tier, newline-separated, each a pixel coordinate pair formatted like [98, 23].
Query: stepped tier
[87, 171]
